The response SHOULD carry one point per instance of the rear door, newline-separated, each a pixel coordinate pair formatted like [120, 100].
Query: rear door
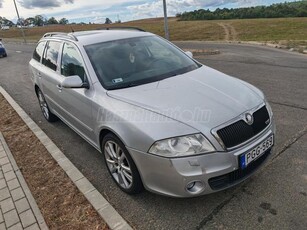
[50, 77]
[36, 67]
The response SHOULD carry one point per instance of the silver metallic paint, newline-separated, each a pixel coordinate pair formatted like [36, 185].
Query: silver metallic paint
[85, 110]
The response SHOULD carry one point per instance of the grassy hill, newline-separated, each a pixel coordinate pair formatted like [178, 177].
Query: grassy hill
[291, 30]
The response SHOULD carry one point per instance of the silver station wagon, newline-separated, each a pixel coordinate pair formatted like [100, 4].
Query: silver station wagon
[162, 120]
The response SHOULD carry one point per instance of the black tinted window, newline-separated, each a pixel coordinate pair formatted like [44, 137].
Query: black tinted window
[72, 62]
[38, 52]
[51, 54]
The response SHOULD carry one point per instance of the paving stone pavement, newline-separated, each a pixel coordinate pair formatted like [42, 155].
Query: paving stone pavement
[18, 209]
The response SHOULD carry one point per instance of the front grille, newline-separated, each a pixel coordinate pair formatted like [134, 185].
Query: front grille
[240, 131]
[238, 175]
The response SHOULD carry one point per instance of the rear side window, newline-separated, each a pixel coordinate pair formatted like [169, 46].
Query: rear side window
[51, 54]
[72, 62]
[38, 52]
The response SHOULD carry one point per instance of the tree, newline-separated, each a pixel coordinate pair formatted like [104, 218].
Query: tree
[52, 21]
[21, 22]
[280, 10]
[39, 20]
[30, 21]
[63, 21]
[5, 22]
[108, 21]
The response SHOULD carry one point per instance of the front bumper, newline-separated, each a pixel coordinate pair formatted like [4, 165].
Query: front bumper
[217, 171]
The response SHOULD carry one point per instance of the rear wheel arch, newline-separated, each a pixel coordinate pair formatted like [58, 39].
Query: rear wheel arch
[49, 116]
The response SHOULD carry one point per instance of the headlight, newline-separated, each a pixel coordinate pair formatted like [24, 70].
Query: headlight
[182, 146]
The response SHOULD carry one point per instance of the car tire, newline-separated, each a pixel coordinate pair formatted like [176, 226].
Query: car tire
[5, 55]
[48, 115]
[120, 165]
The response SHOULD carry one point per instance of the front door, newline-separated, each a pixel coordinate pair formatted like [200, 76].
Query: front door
[76, 103]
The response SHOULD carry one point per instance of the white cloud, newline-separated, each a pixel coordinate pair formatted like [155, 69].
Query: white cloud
[30, 4]
[127, 9]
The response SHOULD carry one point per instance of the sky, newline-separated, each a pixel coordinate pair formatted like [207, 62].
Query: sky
[96, 11]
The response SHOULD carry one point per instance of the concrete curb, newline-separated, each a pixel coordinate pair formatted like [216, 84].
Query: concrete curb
[203, 51]
[255, 43]
[100, 204]
[38, 215]
[19, 42]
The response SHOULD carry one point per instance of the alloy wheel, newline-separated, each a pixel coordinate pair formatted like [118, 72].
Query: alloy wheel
[118, 164]
[43, 105]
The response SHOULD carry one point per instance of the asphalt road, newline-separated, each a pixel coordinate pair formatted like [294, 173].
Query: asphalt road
[274, 198]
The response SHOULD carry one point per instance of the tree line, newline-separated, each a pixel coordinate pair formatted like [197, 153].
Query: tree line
[38, 20]
[280, 10]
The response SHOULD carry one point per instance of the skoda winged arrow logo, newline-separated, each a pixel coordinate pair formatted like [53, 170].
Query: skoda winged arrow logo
[249, 119]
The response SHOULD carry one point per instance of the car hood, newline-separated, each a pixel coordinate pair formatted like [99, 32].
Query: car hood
[203, 98]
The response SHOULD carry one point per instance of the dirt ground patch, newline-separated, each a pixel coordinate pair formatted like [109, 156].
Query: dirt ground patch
[61, 203]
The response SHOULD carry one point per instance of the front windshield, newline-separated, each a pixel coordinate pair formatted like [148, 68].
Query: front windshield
[135, 61]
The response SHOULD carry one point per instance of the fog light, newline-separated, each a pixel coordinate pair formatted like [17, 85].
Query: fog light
[195, 187]
[190, 185]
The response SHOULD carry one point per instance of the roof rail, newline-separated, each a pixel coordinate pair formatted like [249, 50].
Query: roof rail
[60, 34]
[121, 28]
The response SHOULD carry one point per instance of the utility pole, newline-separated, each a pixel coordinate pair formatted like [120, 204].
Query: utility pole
[165, 20]
[22, 32]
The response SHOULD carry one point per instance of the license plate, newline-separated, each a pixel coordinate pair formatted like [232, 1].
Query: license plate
[256, 152]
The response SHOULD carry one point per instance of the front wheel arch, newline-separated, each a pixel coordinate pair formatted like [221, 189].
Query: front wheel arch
[105, 133]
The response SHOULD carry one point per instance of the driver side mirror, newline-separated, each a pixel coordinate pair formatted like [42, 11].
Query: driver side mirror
[189, 53]
[74, 82]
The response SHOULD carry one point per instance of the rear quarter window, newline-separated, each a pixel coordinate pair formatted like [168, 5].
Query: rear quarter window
[38, 52]
[51, 54]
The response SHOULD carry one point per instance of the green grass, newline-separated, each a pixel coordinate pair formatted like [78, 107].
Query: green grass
[276, 29]
[292, 31]
[183, 30]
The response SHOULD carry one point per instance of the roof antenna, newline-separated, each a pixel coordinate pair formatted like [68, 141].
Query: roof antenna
[72, 30]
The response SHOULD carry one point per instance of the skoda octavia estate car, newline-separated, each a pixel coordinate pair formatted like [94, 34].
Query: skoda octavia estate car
[162, 120]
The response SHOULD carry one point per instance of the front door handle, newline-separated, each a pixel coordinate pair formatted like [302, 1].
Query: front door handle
[59, 87]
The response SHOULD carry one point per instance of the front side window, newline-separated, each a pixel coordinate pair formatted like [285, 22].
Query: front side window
[134, 61]
[72, 62]
[51, 55]
[38, 52]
